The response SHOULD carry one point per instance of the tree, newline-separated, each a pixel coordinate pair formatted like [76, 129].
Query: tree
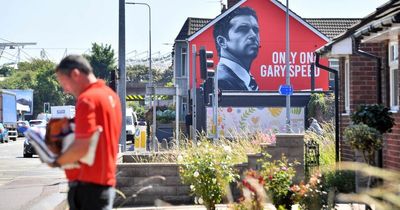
[47, 89]
[137, 73]
[19, 80]
[102, 59]
[6, 71]
[39, 76]
[166, 76]
[140, 73]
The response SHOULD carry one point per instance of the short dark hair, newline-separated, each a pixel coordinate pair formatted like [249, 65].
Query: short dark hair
[71, 62]
[221, 28]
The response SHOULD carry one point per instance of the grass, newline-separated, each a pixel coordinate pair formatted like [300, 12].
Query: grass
[241, 145]
[326, 143]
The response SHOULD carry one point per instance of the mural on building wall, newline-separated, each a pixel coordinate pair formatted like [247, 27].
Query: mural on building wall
[249, 120]
[250, 48]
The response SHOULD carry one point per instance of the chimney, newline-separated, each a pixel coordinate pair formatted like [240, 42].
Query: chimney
[223, 8]
[232, 2]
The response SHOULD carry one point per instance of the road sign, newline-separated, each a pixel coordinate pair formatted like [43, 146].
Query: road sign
[285, 90]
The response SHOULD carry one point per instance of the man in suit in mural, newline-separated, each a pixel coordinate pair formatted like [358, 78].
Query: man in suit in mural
[237, 40]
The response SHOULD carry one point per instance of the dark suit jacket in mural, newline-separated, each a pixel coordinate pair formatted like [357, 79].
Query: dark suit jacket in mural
[228, 80]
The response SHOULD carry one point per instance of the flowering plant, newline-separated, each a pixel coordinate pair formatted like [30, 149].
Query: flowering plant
[264, 137]
[208, 169]
[309, 195]
[278, 177]
[254, 196]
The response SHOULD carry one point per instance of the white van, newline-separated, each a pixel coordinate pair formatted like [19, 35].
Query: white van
[58, 112]
[131, 120]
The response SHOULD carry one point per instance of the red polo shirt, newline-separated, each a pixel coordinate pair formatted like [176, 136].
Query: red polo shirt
[98, 105]
[72, 174]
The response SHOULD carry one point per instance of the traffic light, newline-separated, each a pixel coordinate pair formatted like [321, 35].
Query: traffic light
[46, 107]
[205, 63]
[113, 82]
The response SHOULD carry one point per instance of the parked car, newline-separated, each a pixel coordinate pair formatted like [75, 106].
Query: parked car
[40, 123]
[3, 133]
[29, 151]
[22, 126]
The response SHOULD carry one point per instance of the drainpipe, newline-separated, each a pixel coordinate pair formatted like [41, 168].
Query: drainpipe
[356, 50]
[336, 73]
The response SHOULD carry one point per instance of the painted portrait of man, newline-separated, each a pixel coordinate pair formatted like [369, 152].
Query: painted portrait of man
[237, 40]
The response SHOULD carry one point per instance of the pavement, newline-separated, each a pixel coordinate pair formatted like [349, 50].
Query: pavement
[34, 194]
[224, 207]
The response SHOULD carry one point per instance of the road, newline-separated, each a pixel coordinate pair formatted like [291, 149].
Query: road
[26, 183]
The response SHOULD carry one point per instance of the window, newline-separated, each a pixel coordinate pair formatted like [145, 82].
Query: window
[394, 75]
[347, 86]
[183, 61]
[334, 64]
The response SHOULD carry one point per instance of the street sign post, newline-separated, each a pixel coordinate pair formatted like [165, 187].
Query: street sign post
[285, 90]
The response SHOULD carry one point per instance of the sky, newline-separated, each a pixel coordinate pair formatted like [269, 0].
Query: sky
[70, 26]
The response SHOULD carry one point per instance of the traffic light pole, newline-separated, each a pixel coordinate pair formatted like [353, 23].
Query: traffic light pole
[193, 130]
[204, 74]
[215, 106]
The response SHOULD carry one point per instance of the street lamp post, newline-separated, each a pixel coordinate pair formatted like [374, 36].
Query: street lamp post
[150, 74]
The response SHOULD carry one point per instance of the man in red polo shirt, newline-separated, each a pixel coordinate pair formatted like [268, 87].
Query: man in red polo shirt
[97, 106]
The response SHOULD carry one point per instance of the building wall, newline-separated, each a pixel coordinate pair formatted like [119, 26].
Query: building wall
[363, 83]
[180, 79]
[346, 153]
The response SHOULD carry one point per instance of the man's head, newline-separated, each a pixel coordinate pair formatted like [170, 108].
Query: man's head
[74, 73]
[237, 34]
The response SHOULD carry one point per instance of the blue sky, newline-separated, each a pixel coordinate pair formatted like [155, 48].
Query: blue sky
[74, 24]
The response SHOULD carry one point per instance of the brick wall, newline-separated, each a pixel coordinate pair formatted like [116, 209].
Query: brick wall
[391, 152]
[344, 119]
[164, 179]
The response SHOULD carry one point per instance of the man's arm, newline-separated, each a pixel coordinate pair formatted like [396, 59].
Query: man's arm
[75, 152]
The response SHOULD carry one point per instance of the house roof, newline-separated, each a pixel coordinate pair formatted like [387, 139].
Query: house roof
[190, 27]
[330, 27]
[383, 16]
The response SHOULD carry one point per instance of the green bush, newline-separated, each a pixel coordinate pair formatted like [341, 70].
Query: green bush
[208, 169]
[375, 116]
[165, 116]
[339, 181]
[365, 139]
[321, 107]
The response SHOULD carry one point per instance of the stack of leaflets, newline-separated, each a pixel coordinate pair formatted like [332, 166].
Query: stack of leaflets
[36, 136]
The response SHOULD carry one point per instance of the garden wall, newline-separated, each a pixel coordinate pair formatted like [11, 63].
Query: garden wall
[166, 185]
